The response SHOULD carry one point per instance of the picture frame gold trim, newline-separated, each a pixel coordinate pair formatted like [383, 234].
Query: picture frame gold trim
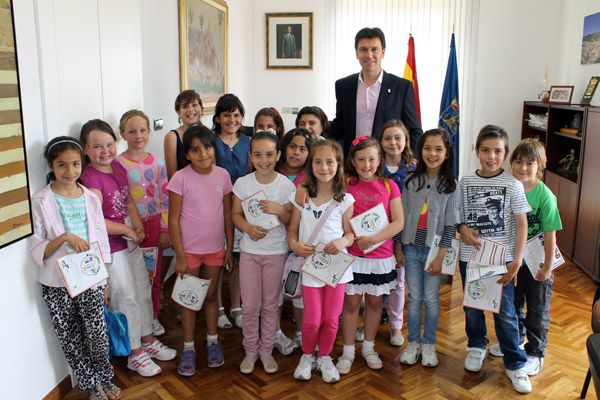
[302, 24]
[207, 58]
[590, 90]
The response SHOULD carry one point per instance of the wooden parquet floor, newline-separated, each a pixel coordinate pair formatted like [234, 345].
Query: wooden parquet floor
[561, 378]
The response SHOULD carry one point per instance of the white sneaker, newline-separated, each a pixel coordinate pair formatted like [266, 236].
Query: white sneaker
[533, 365]
[157, 328]
[428, 355]
[159, 351]
[474, 359]
[497, 352]
[143, 365]
[344, 363]
[411, 353]
[520, 380]
[328, 371]
[304, 368]
[359, 336]
[283, 344]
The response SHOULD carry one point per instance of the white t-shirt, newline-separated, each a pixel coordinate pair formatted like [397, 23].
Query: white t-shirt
[279, 190]
[489, 205]
[331, 230]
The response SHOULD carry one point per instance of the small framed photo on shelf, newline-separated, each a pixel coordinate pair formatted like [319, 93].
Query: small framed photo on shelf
[589, 91]
[289, 40]
[560, 94]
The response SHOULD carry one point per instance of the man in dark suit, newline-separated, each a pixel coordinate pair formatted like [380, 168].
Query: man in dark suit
[366, 101]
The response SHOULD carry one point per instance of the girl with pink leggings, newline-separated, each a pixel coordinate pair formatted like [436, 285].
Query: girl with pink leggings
[327, 212]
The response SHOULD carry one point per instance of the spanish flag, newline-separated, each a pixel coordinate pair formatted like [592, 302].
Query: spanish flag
[410, 73]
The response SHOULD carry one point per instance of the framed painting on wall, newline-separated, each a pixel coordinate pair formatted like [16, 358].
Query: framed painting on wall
[203, 48]
[15, 205]
[289, 40]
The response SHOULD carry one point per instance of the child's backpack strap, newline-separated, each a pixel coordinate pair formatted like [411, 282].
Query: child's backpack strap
[386, 182]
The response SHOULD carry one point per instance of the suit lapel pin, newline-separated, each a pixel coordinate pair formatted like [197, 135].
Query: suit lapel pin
[389, 90]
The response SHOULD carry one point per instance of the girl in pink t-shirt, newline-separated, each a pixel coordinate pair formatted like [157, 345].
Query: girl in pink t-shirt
[129, 286]
[147, 178]
[200, 223]
[375, 271]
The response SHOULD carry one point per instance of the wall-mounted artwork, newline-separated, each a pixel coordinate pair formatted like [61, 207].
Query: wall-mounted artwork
[590, 45]
[15, 207]
[289, 41]
[203, 48]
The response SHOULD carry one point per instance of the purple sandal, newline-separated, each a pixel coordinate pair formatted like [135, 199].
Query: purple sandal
[214, 355]
[187, 364]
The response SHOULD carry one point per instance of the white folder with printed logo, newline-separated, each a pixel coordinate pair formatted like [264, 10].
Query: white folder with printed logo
[81, 271]
[255, 215]
[370, 223]
[327, 268]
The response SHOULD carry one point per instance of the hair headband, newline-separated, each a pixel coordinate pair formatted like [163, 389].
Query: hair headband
[358, 140]
[72, 141]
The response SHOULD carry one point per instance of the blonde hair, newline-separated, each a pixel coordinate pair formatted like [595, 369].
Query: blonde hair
[533, 149]
[130, 114]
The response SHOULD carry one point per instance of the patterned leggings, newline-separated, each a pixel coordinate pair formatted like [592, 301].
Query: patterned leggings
[81, 330]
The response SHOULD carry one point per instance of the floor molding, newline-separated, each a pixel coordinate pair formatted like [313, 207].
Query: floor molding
[60, 390]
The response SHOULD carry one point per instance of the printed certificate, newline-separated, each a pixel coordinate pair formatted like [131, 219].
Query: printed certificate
[484, 294]
[190, 292]
[254, 214]
[487, 261]
[449, 261]
[81, 271]
[534, 255]
[327, 268]
[370, 223]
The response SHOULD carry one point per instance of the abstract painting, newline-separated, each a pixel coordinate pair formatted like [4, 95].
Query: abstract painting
[15, 207]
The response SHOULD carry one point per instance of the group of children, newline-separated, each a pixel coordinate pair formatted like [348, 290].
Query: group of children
[193, 203]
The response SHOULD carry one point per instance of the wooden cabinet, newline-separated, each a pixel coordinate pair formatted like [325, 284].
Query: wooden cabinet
[587, 235]
[572, 139]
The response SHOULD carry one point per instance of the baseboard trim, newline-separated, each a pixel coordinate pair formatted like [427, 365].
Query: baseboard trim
[61, 390]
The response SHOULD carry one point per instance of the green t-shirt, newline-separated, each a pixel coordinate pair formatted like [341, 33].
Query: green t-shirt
[544, 215]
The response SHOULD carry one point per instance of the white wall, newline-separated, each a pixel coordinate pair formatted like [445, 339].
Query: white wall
[515, 46]
[571, 71]
[295, 88]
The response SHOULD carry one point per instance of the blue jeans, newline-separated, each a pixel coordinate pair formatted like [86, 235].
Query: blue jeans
[423, 289]
[506, 323]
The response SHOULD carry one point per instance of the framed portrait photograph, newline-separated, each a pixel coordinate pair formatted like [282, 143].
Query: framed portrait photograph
[560, 94]
[590, 90]
[15, 204]
[203, 48]
[289, 40]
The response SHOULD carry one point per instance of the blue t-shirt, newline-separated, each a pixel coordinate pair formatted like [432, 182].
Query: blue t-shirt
[400, 175]
[73, 215]
[234, 159]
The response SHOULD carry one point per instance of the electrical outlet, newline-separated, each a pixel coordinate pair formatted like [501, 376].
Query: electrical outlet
[295, 110]
[286, 110]
[158, 124]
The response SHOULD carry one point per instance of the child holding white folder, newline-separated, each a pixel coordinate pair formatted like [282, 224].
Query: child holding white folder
[528, 161]
[430, 205]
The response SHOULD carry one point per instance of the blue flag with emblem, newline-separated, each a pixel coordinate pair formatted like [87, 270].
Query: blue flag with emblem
[449, 110]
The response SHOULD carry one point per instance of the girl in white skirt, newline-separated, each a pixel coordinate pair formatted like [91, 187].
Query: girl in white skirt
[375, 271]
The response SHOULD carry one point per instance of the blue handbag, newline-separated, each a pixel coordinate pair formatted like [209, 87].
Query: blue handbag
[118, 333]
